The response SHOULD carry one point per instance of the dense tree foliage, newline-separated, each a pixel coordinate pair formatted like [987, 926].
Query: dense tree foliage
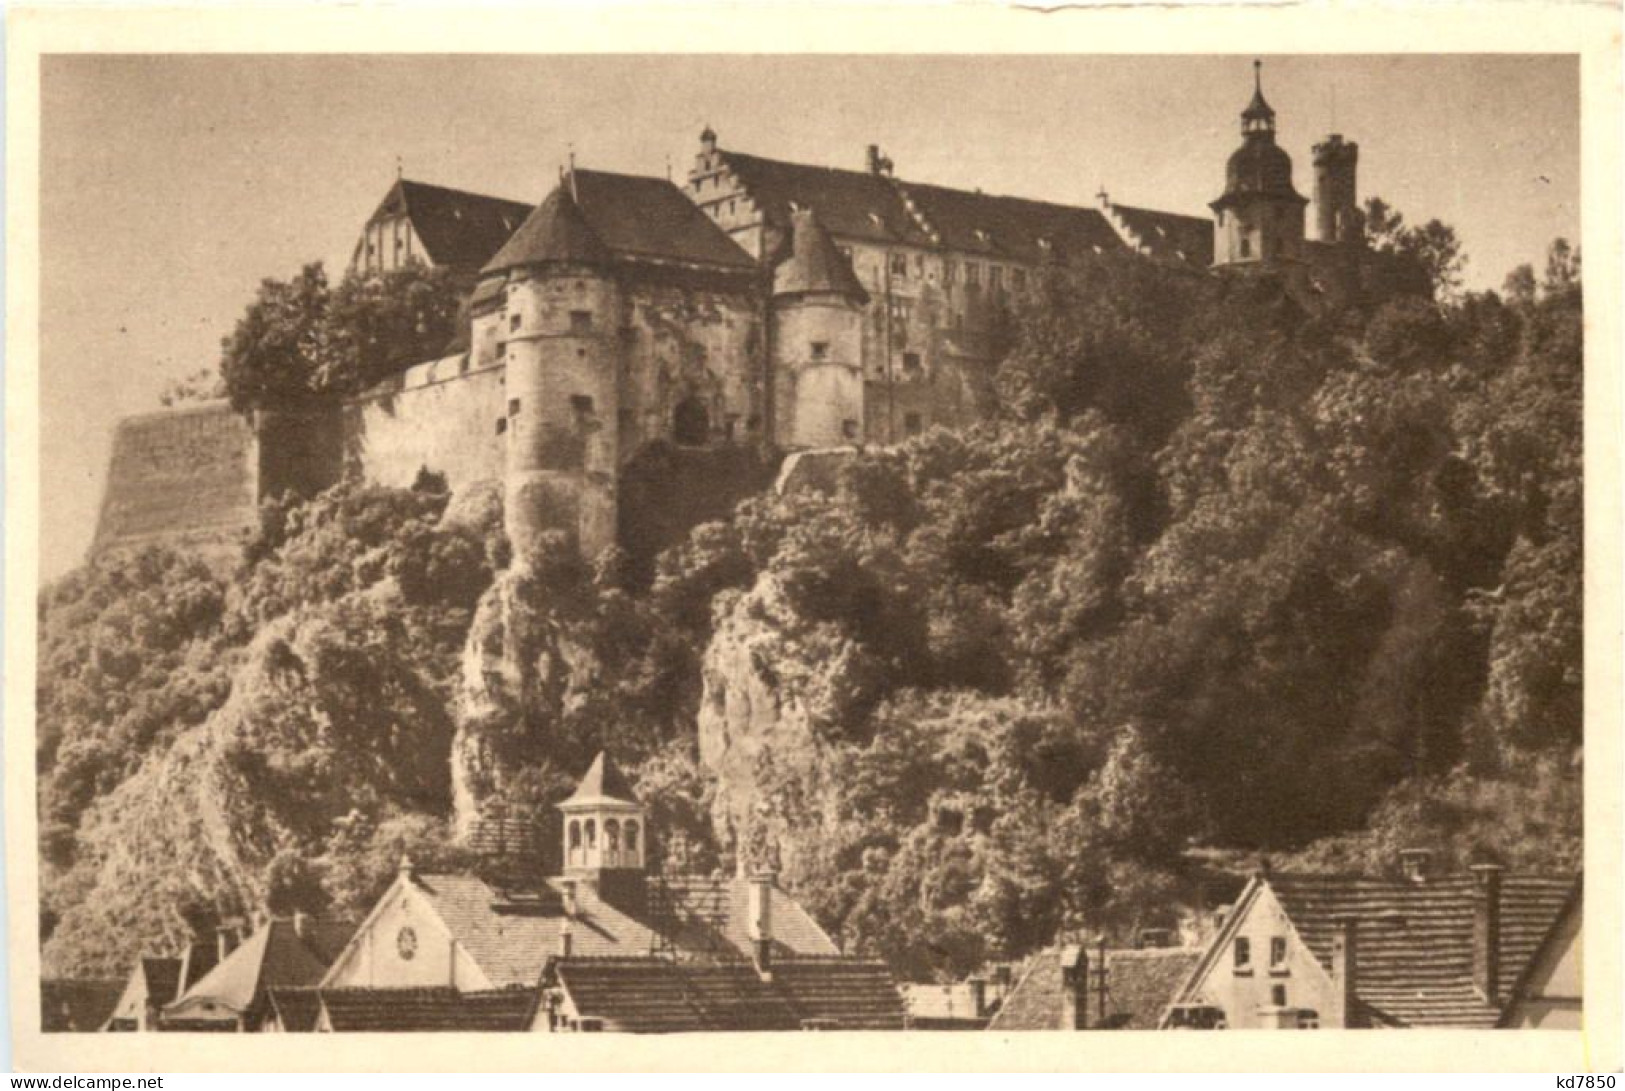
[1224, 571]
[301, 338]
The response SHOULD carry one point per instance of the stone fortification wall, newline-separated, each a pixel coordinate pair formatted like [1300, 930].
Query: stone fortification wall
[180, 476]
[445, 416]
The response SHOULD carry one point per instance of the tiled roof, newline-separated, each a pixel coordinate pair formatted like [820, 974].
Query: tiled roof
[1013, 228]
[595, 215]
[429, 1009]
[1414, 961]
[296, 1007]
[646, 995]
[814, 264]
[457, 228]
[76, 1004]
[274, 955]
[1169, 234]
[849, 203]
[1140, 983]
[512, 935]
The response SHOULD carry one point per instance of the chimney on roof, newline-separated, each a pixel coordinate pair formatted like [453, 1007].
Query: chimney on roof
[761, 923]
[566, 938]
[226, 937]
[877, 163]
[571, 908]
[1074, 987]
[1345, 972]
[1414, 864]
[1487, 929]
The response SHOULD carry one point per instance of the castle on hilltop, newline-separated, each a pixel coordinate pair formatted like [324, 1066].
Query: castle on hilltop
[637, 354]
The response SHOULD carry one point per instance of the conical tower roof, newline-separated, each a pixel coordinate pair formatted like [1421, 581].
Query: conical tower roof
[555, 232]
[602, 784]
[1258, 109]
[815, 264]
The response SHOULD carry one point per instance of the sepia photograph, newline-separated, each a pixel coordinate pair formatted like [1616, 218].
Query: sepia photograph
[695, 543]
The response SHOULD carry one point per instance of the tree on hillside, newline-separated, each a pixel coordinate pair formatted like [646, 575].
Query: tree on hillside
[302, 339]
[1433, 246]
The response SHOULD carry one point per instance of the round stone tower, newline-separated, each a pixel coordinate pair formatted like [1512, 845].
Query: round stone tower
[817, 340]
[559, 321]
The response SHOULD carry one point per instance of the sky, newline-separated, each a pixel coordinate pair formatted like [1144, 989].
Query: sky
[171, 185]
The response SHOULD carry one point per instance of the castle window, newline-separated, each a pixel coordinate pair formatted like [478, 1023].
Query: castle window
[513, 407]
[820, 350]
[612, 837]
[849, 429]
[911, 423]
[590, 834]
[575, 842]
[691, 423]
[899, 265]
[580, 322]
[582, 404]
[513, 322]
[502, 425]
[911, 364]
[947, 272]
[1246, 247]
[973, 273]
[631, 837]
[1243, 957]
[995, 277]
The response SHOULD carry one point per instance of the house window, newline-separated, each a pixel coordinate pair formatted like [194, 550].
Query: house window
[911, 364]
[820, 350]
[1278, 995]
[947, 272]
[502, 349]
[612, 836]
[973, 273]
[631, 836]
[513, 407]
[513, 322]
[995, 277]
[1277, 952]
[911, 423]
[580, 322]
[1244, 955]
[590, 833]
[582, 404]
[1246, 247]
[899, 265]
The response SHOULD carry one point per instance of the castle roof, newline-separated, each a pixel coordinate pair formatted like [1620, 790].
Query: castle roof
[1169, 234]
[649, 995]
[603, 783]
[595, 217]
[1015, 228]
[457, 228]
[850, 204]
[1259, 168]
[814, 264]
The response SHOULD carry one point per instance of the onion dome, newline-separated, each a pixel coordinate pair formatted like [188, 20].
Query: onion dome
[1259, 168]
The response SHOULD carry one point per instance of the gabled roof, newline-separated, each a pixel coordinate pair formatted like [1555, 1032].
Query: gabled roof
[1170, 235]
[1414, 964]
[603, 783]
[814, 265]
[429, 1009]
[1140, 983]
[457, 228]
[648, 995]
[511, 935]
[77, 1004]
[594, 217]
[275, 955]
[849, 203]
[296, 1007]
[1013, 228]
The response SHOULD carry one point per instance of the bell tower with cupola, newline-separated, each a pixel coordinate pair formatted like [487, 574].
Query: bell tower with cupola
[1259, 218]
[604, 825]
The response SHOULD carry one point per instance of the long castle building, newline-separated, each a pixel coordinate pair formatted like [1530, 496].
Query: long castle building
[638, 354]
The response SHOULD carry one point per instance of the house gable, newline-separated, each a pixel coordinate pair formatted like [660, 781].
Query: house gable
[405, 942]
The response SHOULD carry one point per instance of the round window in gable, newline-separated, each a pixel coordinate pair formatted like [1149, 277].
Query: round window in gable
[406, 943]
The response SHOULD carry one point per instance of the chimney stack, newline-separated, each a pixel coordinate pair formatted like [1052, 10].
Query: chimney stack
[226, 939]
[761, 923]
[572, 908]
[1487, 930]
[1345, 972]
[1414, 864]
[1074, 987]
